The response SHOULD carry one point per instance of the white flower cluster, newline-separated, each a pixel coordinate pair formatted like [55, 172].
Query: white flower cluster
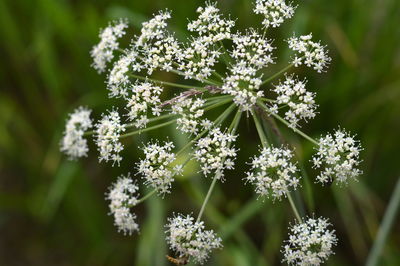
[243, 83]
[338, 156]
[123, 195]
[310, 53]
[274, 11]
[251, 52]
[200, 55]
[253, 48]
[156, 168]
[190, 111]
[159, 49]
[198, 59]
[300, 102]
[154, 49]
[190, 239]
[273, 173]
[309, 243]
[215, 153]
[103, 52]
[211, 25]
[118, 82]
[73, 144]
[108, 131]
[145, 98]
[154, 29]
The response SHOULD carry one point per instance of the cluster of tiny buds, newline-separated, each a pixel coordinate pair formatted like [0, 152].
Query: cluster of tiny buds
[123, 195]
[108, 132]
[309, 243]
[273, 173]
[73, 143]
[338, 157]
[309, 53]
[156, 168]
[215, 152]
[292, 93]
[189, 238]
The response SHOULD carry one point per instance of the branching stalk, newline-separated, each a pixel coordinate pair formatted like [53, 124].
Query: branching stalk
[277, 74]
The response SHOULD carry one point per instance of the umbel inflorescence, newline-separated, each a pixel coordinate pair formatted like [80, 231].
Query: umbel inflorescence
[242, 87]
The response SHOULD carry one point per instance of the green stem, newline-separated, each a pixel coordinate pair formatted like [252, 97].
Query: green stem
[277, 74]
[301, 133]
[145, 197]
[296, 212]
[217, 104]
[216, 99]
[225, 54]
[147, 129]
[207, 198]
[267, 100]
[260, 130]
[166, 83]
[215, 73]
[384, 229]
[234, 125]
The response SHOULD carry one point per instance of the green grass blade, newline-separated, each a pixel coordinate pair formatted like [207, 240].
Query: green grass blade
[386, 225]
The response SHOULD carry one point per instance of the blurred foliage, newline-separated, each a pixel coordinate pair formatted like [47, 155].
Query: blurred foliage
[52, 211]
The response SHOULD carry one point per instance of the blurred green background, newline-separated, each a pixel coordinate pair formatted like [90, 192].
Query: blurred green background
[53, 212]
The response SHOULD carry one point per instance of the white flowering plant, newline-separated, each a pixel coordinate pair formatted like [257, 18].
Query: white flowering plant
[218, 66]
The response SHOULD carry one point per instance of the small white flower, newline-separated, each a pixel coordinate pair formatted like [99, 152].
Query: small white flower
[145, 99]
[190, 111]
[243, 83]
[211, 24]
[338, 156]
[273, 173]
[310, 53]
[253, 48]
[123, 195]
[103, 52]
[300, 102]
[190, 239]
[274, 11]
[309, 243]
[215, 153]
[156, 168]
[73, 144]
[108, 131]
